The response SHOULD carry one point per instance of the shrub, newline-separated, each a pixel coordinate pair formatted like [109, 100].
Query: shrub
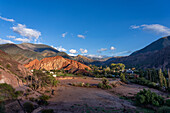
[47, 111]
[104, 84]
[87, 85]
[113, 84]
[145, 97]
[44, 97]
[164, 109]
[2, 107]
[105, 81]
[19, 93]
[43, 100]
[143, 81]
[81, 84]
[100, 85]
[168, 102]
[32, 99]
[73, 84]
[8, 92]
[29, 107]
[8, 66]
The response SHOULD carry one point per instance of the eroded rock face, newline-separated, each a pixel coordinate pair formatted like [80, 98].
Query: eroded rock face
[56, 63]
[11, 71]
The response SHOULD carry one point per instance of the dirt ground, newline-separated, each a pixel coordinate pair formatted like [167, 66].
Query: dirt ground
[72, 99]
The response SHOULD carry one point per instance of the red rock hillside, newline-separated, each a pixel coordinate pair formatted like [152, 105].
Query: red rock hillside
[11, 72]
[57, 63]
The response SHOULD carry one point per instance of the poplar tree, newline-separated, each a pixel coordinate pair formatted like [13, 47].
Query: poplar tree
[160, 77]
[168, 78]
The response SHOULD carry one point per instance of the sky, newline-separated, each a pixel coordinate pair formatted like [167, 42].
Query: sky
[88, 27]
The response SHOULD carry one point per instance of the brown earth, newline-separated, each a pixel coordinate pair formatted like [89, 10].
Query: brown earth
[56, 63]
[72, 99]
[11, 71]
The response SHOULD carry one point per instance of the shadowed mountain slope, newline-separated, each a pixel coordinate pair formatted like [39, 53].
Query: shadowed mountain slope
[155, 55]
[155, 46]
[27, 52]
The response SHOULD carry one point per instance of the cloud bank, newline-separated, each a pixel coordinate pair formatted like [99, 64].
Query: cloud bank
[73, 51]
[157, 28]
[83, 51]
[64, 34]
[60, 48]
[26, 32]
[101, 50]
[81, 36]
[3, 41]
[22, 39]
[10, 36]
[112, 48]
[6, 19]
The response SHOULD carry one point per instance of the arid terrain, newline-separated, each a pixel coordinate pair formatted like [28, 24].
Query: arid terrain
[73, 99]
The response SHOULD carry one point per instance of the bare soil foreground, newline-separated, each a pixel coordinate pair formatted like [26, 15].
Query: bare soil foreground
[73, 99]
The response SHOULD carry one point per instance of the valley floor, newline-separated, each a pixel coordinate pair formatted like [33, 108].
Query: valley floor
[72, 99]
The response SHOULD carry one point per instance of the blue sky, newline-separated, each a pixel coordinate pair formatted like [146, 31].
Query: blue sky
[93, 27]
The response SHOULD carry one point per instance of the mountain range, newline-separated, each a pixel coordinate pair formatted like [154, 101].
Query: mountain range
[155, 55]
[27, 52]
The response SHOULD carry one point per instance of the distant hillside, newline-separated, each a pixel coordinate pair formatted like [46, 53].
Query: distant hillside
[155, 55]
[82, 59]
[15, 51]
[155, 46]
[26, 52]
[44, 50]
[57, 63]
[11, 72]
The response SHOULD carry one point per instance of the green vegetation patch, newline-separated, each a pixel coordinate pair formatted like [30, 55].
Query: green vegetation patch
[146, 97]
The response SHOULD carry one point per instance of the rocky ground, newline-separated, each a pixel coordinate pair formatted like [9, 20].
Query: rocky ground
[73, 99]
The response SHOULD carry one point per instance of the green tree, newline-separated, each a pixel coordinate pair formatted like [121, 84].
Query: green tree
[168, 78]
[160, 77]
[123, 77]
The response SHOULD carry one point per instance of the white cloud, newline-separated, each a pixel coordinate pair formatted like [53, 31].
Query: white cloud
[26, 32]
[73, 51]
[95, 56]
[112, 48]
[83, 51]
[81, 36]
[157, 28]
[122, 53]
[22, 39]
[60, 48]
[10, 36]
[64, 34]
[134, 26]
[3, 41]
[6, 19]
[102, 49]
[72, 54]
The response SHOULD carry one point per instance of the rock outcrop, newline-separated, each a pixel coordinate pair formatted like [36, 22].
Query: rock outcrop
[11, 72]
[56, 63]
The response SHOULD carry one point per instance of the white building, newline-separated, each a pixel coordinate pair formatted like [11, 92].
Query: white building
[54, 75]
[51, 72]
